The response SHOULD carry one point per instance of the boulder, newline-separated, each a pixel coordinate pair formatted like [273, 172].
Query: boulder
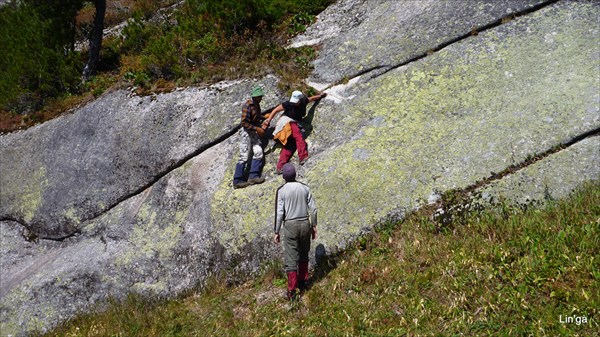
[158, 242]
[135, 192]
[383, 145]
[80, 165]
[356, 35]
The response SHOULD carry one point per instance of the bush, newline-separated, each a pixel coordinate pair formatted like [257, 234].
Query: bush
[161, 58]
[136, 34]
[216, 32]
[34, 64]
[212, 40]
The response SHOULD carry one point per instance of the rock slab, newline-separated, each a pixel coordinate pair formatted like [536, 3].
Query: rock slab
[138, 208]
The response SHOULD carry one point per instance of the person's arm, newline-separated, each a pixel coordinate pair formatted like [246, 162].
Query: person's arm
[272, 115]
[246, 123]
[312, 212]
[279, 215]
[317, 97]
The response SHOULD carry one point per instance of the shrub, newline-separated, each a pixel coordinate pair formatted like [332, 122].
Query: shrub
[136, 34]
[34, 63]
[161, 58]
[212, 40]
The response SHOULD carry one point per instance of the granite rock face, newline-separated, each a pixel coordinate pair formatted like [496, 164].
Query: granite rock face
[158, 242]
[384, 144]
[135, 192]
[552, 178]
[78, 166]
[357, 35]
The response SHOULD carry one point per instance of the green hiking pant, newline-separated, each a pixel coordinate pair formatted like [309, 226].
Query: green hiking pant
[296, 243]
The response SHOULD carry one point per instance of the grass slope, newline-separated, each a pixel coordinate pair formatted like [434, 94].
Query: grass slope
[501, 272]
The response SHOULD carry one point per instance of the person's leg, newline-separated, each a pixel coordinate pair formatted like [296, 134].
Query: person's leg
[291, 255]
[257, 160]
[287, 151]
[302, 275]
[244, 144]
[303, 250]
[300, 142]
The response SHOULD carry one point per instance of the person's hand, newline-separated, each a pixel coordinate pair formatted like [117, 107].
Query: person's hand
[260, 132]
[276, 238]
[314, 233]
[265, 124]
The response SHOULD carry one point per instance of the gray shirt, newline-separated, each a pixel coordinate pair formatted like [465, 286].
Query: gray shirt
[294, 202]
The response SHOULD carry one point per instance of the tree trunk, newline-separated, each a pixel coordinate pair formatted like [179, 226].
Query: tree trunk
[95, 40]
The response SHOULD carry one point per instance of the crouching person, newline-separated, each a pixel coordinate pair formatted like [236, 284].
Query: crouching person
[250, 142]
[296, 221]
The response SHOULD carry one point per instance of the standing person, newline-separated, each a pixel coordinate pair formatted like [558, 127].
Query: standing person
[287, 130]
[250, 135]
[296, 219]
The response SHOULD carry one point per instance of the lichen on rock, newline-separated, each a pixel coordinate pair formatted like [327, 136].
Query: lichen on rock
[147, 180]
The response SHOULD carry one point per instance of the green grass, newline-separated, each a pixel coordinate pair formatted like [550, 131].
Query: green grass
[498, 273]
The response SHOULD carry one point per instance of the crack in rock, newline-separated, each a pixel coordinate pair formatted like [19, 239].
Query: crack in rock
[83, 164]
[534, 159]
[380, 70]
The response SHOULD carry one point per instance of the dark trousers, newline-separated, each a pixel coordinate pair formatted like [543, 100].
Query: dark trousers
[296, 243]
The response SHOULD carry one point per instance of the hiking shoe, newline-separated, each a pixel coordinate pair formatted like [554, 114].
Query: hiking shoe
[303, 286]
[292, 295]
[278, 172]
[241, 184]
[303, 161]
[257, 180]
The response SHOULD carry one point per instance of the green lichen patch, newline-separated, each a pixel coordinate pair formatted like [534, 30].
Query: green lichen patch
[240, 215]
[32, 318]
[153, 238]
[31, 198]
[444, 122]
[551, 178]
